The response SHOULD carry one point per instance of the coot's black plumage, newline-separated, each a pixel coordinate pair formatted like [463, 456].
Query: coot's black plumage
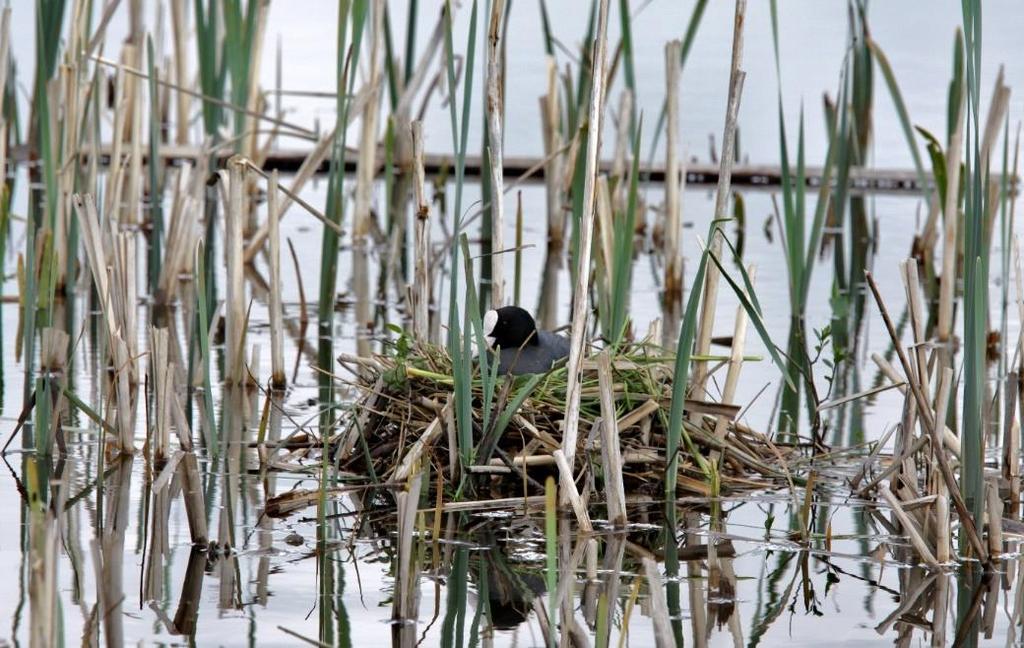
[522, 348]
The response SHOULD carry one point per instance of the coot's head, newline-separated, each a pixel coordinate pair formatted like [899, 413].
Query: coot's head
[509, 327]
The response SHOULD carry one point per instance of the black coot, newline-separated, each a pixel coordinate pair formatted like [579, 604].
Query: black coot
[523, 349]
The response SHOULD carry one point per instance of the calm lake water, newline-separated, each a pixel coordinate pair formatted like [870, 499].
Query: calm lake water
[781, 594]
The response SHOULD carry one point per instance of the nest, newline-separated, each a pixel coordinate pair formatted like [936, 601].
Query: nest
[403, 418]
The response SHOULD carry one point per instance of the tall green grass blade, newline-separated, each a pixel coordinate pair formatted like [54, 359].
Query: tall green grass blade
[901, 111]
[622, 261]
[201, 326]
[748, 299]
[457, 348]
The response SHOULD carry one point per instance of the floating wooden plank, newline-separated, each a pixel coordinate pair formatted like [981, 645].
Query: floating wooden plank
[749, 176]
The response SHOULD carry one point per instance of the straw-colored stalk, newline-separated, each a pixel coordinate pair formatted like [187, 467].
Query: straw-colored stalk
[967, 523]
[706, 321]
[182, 233]
[44, 538]
[253, 99]
[125, 406]
[365, 172]
[909, 527]
[942, 523]
[71, 98]
[569, 492]
[611, 454]
[179, 26]
[277, 376]
[995, 517]
[160, 380]
[550, 115]
[581, 296]
[673, 209]
[234, 336]
[947, 287]
[421, 248]
[495, 117]
[133, 204]
[406, 579]
[732, 376]
[908, 270]
[366, 164]
[950, 440]
[112, 195]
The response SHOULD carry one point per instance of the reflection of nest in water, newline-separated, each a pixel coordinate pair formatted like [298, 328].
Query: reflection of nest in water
[404, 416]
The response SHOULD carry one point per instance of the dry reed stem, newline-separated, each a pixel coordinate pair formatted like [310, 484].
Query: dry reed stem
[942, 550]
[966, 521]
[909, 527]
[951, 440]
[908, 270]
[706, 322]
[550, 114]
[412, 458]
[422, 283]
[994, 509]
[567, 484]
[951, 217]
[407, 579]
[133, 93]
[673, 211]
[234, 218]
[160, 377]
[615, 492]
[180, 33]
[581, 296]
[277, 375]
[732, 376]
[495, 117]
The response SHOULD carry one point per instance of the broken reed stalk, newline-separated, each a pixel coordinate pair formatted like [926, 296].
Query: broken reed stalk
[366, 168]
[581, 295]
[951, 217]
[180, 35]
[421, 247]
[159, 379]
[611, 453]
[673, 210]
[133, 203]
[569, 492]
[550, 112]
[406, 579]
[495, 117]
[942, 525]
[234, 336]
[995, 517]
[967, 522]
[909, 527]
[277, 375]
[706, 322]
[732, 376]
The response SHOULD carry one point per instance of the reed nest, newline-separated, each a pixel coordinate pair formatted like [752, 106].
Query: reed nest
[402, 417]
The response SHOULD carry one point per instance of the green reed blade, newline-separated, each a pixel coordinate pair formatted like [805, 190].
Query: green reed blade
[155, 190]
